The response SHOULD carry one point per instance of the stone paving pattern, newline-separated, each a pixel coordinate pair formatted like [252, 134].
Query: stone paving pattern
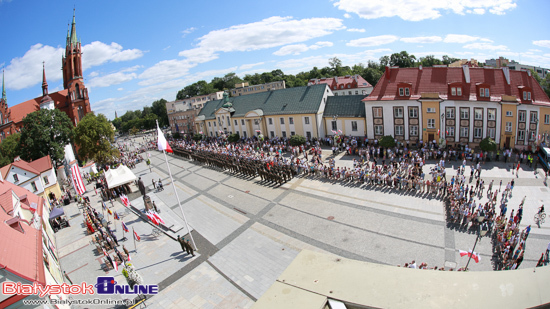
[248, 232]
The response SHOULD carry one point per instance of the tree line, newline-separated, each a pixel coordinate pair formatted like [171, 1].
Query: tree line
[145, 119]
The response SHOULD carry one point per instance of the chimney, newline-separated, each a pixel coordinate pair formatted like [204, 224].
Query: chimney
[529, 72]
[506, 72]
[388, 72]
[420, 67]
[466, 71]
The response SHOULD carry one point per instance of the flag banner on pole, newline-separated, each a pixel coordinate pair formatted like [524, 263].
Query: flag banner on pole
[152, 218]
[125, 200]
[110, 212]
[162, 143]
[124, 227]
[115, 215]
[136, 236]
[104, 252]
[129, 258]
[474, 256]
[115, 265]
[104, 206]
[77, 180]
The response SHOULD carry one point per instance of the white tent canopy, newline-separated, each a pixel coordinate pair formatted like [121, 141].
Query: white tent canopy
[119, 176]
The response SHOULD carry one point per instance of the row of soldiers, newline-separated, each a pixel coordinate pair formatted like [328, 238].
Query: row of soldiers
[276, 174]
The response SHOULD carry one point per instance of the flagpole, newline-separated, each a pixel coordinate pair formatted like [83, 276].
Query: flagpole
[134, 237]
[176, 192]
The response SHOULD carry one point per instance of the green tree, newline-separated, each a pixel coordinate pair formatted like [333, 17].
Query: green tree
[429, 61]
[117, 122]
[94, 137]
[488, 144]
[448, 60]
[159, 109]
[233, 138]
[9, 149]
[386, 141]
[297, 140]
[45, 132]
[384, 61]
[402, 60]
[335, 65]
[197, 137]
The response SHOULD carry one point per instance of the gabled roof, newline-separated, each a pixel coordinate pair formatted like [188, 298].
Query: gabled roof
[36, 167]
[21, 110]
[356, 80]
[297, 100]
[438, 79]
[21, 252]
[345, 106]
[43, 164]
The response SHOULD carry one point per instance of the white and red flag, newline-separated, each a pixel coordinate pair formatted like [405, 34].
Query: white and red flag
[476, 257]
[115, 264]
[77, 180]
[125, 200]
[136, 236]
[152, 218]
[162, 142]
[159, 219]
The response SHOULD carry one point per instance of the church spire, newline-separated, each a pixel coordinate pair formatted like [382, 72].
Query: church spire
[73, 39]
[44, 82]
[3, 86]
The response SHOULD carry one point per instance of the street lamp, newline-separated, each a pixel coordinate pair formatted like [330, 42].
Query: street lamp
[482, 230]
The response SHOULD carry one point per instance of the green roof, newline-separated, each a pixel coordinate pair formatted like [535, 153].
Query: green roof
[345, 106]
[297, 100]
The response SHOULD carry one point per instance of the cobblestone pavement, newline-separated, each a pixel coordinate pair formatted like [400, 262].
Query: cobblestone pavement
[247, 233]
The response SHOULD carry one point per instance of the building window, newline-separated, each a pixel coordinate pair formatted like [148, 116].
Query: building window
[284, 133]
[354, 126]
[46, 180]
[413, 130]
[306, 120]
[270, 121]
[478, 132]
[377, 112]
[453, 91]
[356, 91]
[534, 118]
[491, 132]
[508, 113]
[334, 125]
[308, 135]
[398, 112]
[242, 122]
[430, 110]
[209, 124]
[235, 121]
[413, 112]
[407, 92]
[33, 185]
[464, 131]
[459, 91]
[398, 130]
[451, 131]
[290, 120]
[521, 116]
[282, 120]
[431, 123]
[491, 114]
[532, 135]
[401, 92]
[484, 92]
[450, 112]
[546, 119]
[378, 130]
[272, 134]
[521, 135]
[527, 96]
[464, 113]
[292, 133]
[478, 114]
[508, 127]
[15, 177]
[214, 123]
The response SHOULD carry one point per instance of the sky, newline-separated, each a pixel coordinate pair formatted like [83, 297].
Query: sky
[136, 52]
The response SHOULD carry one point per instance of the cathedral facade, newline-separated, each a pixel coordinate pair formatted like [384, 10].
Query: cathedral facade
[72, 100]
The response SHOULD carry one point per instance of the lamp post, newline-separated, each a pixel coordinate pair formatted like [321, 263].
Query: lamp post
[481, 231]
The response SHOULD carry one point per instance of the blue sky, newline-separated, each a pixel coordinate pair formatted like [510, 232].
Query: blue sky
[136, 52]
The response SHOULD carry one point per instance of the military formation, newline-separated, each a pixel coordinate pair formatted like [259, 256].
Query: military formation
[270, 172]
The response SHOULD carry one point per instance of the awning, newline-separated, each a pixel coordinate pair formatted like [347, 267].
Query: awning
[56, 212]
[119, 176]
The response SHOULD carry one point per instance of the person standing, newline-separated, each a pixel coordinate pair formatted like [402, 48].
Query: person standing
[154, 184]
[190, 247]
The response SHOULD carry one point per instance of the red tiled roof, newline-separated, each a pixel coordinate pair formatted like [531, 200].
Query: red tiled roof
[357, 81]
[437, 80]
[6, 201]
[19, 111]
[21, 253]
[25, 166]
[43, 164]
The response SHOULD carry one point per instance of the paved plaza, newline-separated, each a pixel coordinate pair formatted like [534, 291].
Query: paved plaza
[248, 232]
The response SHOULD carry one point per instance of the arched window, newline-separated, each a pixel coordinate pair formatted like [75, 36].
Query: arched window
[78, 94]
[1, 118]
[80, 113]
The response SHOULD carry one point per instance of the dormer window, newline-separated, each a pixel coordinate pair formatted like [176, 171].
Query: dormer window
[15, 178]
[456, 91]
[527, 95]
[407, 93]
[484, 92]
[404, 92]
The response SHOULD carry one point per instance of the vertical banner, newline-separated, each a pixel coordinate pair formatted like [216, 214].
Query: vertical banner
[77, 180]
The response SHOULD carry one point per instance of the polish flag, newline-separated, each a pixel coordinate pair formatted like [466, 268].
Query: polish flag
[115, 264]
[159, 219]
[129, 258]
[152, 218]
[125, 200]
[162, 143]
[104, 252]
[77, 180]
[474, 256]
[136, 236]
[124, 227]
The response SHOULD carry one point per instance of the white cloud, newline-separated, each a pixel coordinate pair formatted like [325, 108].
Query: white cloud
[346, 15]
[422, 39]
[167, 47]
[479, 11]
[535, 50]
[460, 38]
[542, 43]
[114, 78]
[164, 71]
[188, 31]
[373, 41]
[97, 53]
[297, 49]
[267, 33]
[486, 46]
[355, 30]
[416, 10]
[26, 71]
[93, 74]
[293, 66]
[249, 66]
[120, 89]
